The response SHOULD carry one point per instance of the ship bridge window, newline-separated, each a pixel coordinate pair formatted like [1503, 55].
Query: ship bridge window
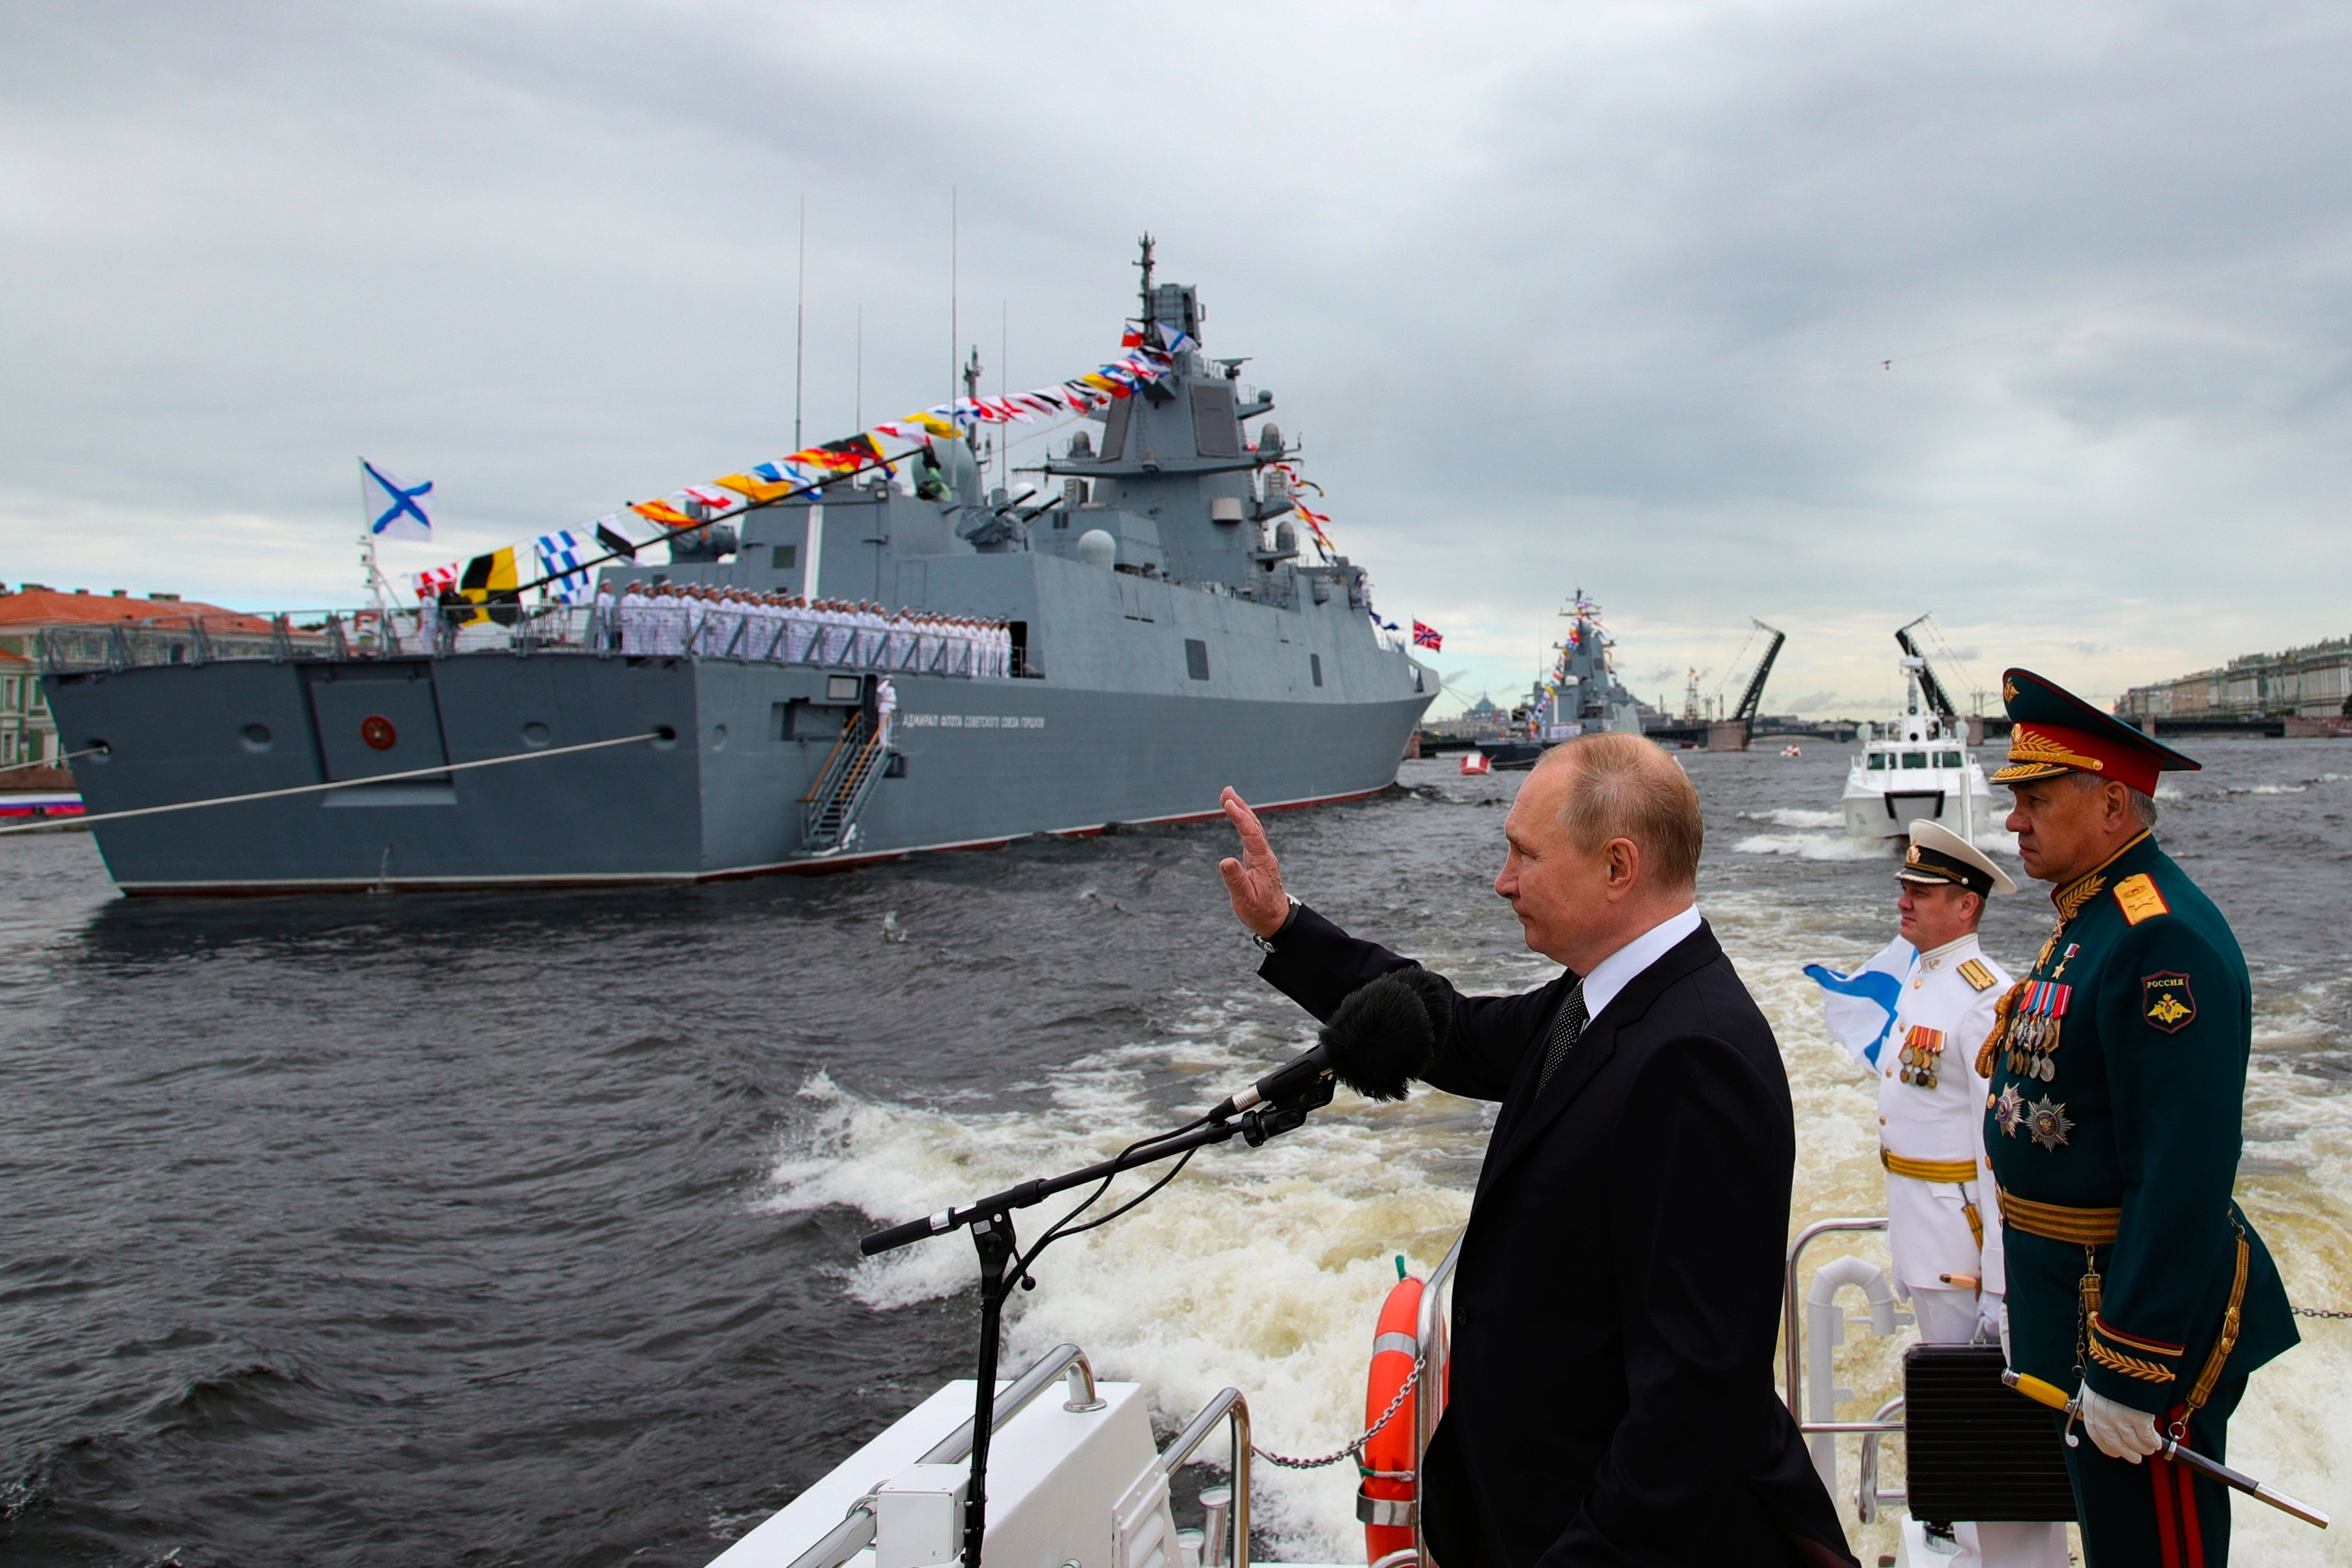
[1877, 761]
[1948, 759]
[1915, 759]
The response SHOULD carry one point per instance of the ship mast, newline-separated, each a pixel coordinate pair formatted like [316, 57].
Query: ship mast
[1143, 319]
[972, 370]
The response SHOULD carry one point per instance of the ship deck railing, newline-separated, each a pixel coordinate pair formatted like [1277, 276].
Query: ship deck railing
[581, 630]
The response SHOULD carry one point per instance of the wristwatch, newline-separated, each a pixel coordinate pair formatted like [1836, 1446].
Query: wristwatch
[1265, 943]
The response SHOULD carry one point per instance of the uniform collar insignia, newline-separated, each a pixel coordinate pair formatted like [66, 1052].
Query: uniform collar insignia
[1937, 955]
[2070, 897]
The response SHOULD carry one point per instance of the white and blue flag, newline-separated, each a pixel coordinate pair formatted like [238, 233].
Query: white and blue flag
[394, 508]
[558, 558]
[1860, 1007]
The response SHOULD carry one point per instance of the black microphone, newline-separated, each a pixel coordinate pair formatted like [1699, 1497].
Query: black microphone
[1387, 1033]
[1382, 1037]
[1288, 1078]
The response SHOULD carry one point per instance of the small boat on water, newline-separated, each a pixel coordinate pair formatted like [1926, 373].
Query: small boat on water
[1917, 764]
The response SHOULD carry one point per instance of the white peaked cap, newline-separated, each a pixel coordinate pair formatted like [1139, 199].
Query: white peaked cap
[1937, 854]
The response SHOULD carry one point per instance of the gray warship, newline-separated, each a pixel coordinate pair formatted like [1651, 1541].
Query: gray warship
[1166, 638]
[1581, 695]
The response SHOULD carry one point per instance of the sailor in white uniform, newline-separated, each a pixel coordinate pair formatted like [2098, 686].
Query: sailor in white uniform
[1943, 1216]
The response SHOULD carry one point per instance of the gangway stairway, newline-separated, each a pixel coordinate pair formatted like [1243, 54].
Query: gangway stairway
[829, 810]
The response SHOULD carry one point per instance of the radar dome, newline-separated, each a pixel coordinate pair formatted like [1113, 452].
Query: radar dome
[1097, 548]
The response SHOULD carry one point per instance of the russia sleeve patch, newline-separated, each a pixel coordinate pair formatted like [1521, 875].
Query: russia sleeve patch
[2167, 1003]
[2140, 901]
[1979, 977]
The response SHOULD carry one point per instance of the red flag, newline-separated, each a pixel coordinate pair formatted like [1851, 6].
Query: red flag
[840, 457]
[1428, 638]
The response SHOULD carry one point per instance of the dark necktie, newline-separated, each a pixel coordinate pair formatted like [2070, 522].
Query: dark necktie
[1565, 1029]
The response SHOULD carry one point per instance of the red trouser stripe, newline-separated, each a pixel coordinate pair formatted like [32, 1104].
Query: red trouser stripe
[2177, 1537]
[2168, 1528]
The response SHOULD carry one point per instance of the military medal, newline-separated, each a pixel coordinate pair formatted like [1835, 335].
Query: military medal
[2008, 1111]
[1923, 1056]
[2033, 1028]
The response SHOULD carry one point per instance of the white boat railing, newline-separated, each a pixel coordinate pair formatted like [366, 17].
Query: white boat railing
[1227, 1539]
[854, 1533]
[1889, 1419]
[1433, 1348]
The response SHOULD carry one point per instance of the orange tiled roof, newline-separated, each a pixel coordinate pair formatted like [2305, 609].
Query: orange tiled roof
[47, 608]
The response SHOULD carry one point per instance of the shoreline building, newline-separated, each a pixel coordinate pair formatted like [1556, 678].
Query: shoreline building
[2310, 682]
[1482, 720]
[29, 731]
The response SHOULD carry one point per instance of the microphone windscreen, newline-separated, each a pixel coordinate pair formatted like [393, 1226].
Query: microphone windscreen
[1384, 1035]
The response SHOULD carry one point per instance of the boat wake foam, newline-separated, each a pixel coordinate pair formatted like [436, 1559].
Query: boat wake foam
[1262, 1269]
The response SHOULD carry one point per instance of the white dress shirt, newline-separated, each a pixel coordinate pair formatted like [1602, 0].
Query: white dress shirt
[1617, 971]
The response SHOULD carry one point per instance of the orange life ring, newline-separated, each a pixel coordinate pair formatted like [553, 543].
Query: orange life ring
[1385, 1496]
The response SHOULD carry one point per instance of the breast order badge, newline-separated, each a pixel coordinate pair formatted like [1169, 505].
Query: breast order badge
[2008, 1111]
[2049, 1122]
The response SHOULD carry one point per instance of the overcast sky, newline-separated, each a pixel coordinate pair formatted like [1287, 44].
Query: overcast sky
[1560, 295]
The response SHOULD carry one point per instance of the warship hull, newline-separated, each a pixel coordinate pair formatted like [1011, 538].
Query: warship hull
[728, 756]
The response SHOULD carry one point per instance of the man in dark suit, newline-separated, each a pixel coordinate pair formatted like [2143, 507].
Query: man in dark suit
[1619, 1291]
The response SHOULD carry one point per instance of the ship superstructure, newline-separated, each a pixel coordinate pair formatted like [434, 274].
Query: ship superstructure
[1579, 695]
[1583, 694]
[1168, 634]
[1916, 764]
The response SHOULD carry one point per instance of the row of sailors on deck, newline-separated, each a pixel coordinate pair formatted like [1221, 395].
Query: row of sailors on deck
[729, 623]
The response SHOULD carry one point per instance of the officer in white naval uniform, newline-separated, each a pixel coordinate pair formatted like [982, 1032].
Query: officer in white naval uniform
[1943, 1219]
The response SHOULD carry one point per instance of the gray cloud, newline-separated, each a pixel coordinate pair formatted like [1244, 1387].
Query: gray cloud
[1608, 307]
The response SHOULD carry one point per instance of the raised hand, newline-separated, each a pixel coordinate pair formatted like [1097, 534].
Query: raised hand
[1253, 882]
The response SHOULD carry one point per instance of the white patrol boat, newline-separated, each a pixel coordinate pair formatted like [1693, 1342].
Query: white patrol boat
[1917, 764]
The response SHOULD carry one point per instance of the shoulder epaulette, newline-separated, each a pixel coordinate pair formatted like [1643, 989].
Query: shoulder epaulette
[2139, 899]
[1979, 977]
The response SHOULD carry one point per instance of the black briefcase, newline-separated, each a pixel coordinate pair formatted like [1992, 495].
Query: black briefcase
[1974, 1447]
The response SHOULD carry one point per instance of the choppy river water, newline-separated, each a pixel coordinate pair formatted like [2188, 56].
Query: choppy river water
[520, 1229]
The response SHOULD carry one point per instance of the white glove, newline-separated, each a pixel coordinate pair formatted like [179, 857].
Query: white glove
[1989, 1320]
[2121, 1432]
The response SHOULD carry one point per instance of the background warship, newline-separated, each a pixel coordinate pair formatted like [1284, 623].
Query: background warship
[1168, 639]
[1580, 695]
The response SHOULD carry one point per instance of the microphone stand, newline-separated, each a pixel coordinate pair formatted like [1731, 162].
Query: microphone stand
[990, 1220]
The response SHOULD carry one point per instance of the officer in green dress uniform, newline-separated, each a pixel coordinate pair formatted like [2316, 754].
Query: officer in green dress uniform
[2117, 1072]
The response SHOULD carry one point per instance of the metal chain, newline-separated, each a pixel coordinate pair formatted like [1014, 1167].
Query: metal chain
[2319, 1312]
[1287, 1463]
